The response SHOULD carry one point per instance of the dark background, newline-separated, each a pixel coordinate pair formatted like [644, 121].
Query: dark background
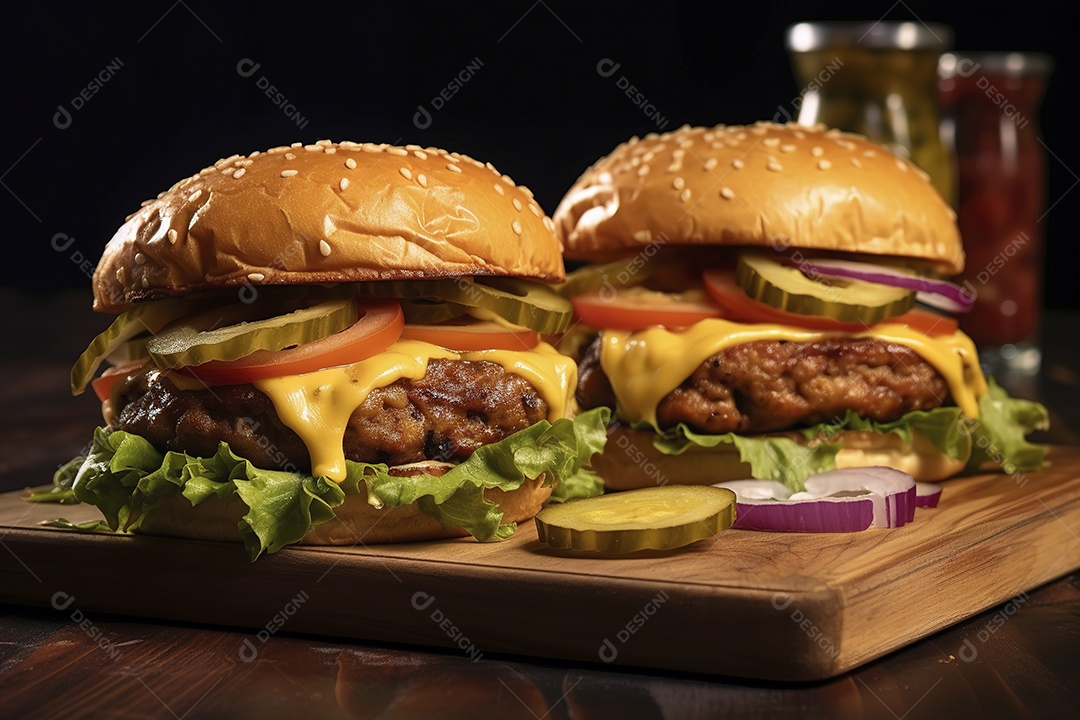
[535, 106]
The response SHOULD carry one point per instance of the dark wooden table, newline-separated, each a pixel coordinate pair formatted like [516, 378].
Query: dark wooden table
[1021, 659]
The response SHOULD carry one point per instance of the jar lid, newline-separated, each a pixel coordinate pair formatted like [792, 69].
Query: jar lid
[872, 35]
[1013, 64]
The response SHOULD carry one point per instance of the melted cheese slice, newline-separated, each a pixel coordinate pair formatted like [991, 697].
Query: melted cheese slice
[317, 406]
[644, 366]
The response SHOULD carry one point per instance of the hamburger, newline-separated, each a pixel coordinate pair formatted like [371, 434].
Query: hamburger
[335, 343]
[770, 301]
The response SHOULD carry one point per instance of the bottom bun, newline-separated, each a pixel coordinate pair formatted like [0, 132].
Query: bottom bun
[631, 461]
[355, 522]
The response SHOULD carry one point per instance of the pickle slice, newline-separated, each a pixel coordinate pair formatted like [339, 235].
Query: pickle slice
[147, 317]
[430, 312]
[785, 287]
[520, 302]
[188, 343]
[659, 518]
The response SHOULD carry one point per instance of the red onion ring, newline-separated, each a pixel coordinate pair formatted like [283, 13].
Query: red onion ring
[940, 294]
[849, 500]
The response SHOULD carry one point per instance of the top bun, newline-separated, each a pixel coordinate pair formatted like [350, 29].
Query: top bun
[328, 213]
[760, 185]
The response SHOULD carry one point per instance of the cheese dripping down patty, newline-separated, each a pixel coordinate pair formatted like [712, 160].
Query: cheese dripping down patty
[317, 406]
[645, 366]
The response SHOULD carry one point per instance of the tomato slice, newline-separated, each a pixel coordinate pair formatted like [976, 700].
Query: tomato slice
[103, 385]
[740, 307]
[473, 335]
[379, 327]
[630, 310]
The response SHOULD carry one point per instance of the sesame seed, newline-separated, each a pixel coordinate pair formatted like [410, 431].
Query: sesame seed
[239, 173]
[799, 134]
[643, 170]
[140, 259]
[195, 195]
[313, 148]
[245, 163]
[738, 164]
[901, 164]
[710, 163]
[290, 156]
[549, 224]
[787, 148]
[923, 174]
[296, 144]
[679, 183]
[727, 193]
[869, 153]
[452, 157]
[324, 248]
[405, 173]
[774, 165]
[228, 171]
[535, 209]
[824, 165]
[120, 275]
[422, 179]
[330, 151]
[452, 167]
[684, 195]
[517, 204]
[856, 163]
[397, 151]
[506, 179]
[412, 146]
[324, 143]
[344, 183]
[350, 163]
[758, 130]
[817, 151]
[499, 189]
[288, 173]
[172, 234]
[420, 154]
[256, 277]
[145, 282]
[516, 226]
[770, 142]
[525, 191]
[952, 213]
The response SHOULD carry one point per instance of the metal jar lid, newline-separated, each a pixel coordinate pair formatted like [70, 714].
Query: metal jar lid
[808, 36]
[1011, 64]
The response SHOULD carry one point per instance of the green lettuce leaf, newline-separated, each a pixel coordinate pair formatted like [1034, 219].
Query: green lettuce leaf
[125, 477]
[999, 435]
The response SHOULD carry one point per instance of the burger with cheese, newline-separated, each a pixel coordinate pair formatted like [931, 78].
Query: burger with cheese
[768, 301]
[336, 343]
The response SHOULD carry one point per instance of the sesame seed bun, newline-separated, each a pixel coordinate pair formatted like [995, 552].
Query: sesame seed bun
[328, 213]
[761, 185]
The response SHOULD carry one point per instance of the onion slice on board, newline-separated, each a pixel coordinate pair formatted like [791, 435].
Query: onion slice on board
[848, 500]
[940, 294]
[927, 494]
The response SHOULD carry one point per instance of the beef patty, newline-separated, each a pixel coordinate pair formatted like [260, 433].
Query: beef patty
[769, 385]
[457, 407]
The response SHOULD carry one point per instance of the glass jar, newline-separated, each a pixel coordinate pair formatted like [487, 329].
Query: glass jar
[879, 80]
[990, 104]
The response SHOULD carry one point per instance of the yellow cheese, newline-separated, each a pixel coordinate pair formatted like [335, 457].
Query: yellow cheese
[644, 366]
[317, 406]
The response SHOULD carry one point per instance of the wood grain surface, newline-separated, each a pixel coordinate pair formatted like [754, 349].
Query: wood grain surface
[758, 605]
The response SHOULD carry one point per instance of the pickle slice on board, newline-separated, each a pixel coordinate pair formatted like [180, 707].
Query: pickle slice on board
[519, 302]
[785, 287]
[660, 518]
[188, 343]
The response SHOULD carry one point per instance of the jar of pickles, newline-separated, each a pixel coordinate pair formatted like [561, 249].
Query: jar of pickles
[990, 104]
[877, 79]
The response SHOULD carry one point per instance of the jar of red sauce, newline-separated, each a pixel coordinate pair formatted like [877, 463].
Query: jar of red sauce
[990, 104]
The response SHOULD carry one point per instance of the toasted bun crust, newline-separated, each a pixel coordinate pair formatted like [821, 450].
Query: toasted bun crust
[765, 185]
[355, 523]
[327, 213]
[630, 460]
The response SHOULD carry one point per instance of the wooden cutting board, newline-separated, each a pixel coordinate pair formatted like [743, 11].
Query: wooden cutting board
[748, 604]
